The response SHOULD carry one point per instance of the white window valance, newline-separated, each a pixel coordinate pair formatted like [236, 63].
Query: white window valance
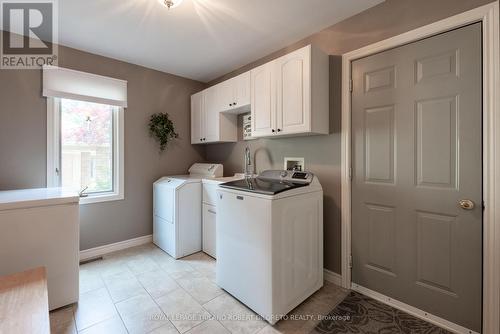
[70, 84]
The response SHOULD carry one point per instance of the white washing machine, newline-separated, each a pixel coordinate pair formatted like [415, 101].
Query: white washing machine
[270, 240]
[177, 210]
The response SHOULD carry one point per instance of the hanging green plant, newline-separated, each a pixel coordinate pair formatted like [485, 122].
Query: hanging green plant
[162, 129]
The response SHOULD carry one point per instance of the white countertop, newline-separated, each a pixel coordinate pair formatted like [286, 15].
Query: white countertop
[27, 198]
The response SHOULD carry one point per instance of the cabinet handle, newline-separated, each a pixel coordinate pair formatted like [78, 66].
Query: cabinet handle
[212, 211]
[272, 130]
[234, 103]
[230, 104]
[279, 130]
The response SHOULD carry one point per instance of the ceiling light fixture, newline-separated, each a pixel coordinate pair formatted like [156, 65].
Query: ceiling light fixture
[170, 3]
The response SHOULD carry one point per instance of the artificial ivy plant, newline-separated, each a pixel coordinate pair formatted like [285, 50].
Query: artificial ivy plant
[162, 129]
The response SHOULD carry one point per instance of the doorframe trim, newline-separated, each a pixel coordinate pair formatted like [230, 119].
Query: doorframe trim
[489, 16]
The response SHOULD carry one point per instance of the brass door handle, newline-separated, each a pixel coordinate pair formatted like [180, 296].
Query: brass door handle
[466, 204]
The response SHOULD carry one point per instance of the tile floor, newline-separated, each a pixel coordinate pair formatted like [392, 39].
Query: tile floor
[144, 290]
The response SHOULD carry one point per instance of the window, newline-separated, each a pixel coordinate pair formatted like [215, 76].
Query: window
[85, 133]
[85, 144]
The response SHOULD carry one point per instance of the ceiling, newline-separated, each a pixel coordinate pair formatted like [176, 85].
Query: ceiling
[199, 39]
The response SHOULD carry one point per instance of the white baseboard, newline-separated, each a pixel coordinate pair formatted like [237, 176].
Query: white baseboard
[102, 250]
[450, 326]
[332, 277]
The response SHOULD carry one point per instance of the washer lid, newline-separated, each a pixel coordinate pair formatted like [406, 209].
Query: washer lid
[262, 186]
[172, 182]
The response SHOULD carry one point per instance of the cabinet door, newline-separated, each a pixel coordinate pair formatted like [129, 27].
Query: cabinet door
[263, 100]
[210, 120]
[164, 235]
[209, 193]
[209, 228]
[196, 118]
[242, 90]
[293, 92]
[226, 95]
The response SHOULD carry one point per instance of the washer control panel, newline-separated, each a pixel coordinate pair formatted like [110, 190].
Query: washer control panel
[300, 175]
[287, 176]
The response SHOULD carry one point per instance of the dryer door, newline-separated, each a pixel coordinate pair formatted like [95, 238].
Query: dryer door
[164, 198]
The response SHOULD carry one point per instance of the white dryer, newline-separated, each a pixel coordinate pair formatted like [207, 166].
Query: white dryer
[270, 240]
[177, 210]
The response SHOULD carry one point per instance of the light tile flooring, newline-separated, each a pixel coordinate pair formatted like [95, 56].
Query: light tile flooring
[144, 290]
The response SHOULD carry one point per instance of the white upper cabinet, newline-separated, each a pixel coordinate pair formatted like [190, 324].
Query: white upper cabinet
[208, 125]
[211, 115]
[293, 93]
[226, 95]
[290, 95]
[263, 101]
[196, 118]
[234, 94]
[242, 93]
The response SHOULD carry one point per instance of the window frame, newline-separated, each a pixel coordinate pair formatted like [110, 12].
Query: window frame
[54, 153]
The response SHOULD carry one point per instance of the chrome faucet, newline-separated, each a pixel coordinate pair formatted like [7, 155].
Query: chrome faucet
[248, 163]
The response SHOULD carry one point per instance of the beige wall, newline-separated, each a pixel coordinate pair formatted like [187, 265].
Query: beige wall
[23, 140]
[322, 153]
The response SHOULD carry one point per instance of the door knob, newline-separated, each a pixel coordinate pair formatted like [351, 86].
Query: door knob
[466, 204]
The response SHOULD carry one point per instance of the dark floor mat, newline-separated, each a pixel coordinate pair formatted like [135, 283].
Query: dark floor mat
[360, 314]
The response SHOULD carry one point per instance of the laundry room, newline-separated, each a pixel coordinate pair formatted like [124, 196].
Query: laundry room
[231, 166]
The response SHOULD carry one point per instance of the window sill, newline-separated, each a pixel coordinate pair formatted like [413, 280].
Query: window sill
[108, 197]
